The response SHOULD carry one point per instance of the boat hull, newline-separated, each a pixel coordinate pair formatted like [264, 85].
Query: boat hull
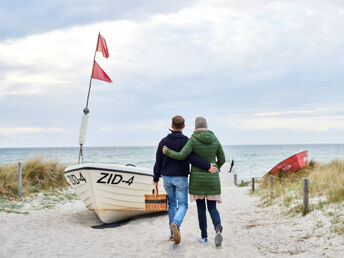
[292, 164]
[113, 192]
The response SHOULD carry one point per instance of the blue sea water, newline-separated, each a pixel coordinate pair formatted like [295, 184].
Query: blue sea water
[250, 160]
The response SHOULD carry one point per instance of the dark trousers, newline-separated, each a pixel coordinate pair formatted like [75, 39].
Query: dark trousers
[202, 218]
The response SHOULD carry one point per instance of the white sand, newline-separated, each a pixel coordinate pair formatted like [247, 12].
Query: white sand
[249, 231]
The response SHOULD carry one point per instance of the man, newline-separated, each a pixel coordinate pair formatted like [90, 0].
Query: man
[175, 174]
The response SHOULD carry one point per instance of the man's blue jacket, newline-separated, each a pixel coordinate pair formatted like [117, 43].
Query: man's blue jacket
[165, 166]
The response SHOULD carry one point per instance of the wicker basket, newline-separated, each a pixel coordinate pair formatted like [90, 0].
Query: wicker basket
[156, 201]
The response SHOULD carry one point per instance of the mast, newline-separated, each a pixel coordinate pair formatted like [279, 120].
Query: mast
[94, 58]
[84, 119]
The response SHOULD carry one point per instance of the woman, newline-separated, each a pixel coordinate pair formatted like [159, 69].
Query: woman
[204, 186]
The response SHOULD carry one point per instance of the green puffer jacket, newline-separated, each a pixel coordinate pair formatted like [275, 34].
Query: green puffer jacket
[206, 145]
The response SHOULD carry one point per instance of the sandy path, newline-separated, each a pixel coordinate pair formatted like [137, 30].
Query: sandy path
[249, 231]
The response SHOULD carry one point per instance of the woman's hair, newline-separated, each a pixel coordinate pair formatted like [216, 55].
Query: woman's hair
[178, 122]
[200, 122]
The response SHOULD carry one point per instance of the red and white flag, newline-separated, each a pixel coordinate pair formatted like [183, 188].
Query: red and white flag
[99, 74]
[102, 47]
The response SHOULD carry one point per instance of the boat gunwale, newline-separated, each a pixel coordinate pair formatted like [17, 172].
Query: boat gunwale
[107, 169]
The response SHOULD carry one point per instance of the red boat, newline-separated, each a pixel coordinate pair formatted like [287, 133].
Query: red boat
[292, 164]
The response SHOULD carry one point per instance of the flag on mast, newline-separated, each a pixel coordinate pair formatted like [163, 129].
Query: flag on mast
[99, 74]
[102, 47]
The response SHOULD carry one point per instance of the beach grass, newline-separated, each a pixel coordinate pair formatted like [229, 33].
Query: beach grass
[38, 174]
[243, 183]
[326, 186]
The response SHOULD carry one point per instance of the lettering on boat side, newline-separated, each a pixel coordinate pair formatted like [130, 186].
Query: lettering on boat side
[114, 179]
[74, 180]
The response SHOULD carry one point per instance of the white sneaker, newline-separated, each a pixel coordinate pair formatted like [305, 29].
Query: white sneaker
[202, 240]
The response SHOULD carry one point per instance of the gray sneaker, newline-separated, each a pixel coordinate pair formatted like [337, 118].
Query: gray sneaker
[218, 237]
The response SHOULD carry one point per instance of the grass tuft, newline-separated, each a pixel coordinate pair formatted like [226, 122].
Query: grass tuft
[37, 174]
[243, 183]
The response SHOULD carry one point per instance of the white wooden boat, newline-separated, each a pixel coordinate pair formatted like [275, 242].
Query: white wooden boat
[113, 192]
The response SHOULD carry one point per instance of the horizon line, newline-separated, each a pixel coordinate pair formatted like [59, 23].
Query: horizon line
[122, 146]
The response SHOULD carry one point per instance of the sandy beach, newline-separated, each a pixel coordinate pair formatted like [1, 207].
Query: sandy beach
[250, 230]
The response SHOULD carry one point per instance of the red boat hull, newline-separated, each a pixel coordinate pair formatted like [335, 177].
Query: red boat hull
[292, 164]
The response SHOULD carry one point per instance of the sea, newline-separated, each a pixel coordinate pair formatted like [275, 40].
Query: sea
[249, 160]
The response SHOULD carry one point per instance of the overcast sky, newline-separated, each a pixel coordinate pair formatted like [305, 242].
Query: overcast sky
[260, 71]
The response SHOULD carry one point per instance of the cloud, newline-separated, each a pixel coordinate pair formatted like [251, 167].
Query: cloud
[11, 131]
[289, 112]
[138, 126]
[317, 120]
[218, 41]
[297, 124]
[35, 17]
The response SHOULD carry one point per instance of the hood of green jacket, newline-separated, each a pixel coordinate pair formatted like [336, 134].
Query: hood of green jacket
[206, 137]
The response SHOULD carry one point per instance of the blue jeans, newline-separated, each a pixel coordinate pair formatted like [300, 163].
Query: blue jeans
[202, 218]
[177, 194]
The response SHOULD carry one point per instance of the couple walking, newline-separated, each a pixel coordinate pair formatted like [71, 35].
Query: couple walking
[174, 154]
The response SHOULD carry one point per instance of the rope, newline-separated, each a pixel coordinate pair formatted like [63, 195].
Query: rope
[81, 154]
[311, 181]
[289, 179]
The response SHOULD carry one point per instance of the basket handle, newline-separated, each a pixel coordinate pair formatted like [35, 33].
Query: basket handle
[156, 192]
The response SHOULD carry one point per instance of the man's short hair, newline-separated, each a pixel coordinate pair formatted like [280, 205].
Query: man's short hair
[178, 122]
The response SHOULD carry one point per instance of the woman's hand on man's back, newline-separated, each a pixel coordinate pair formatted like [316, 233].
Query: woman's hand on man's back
[212, 168]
